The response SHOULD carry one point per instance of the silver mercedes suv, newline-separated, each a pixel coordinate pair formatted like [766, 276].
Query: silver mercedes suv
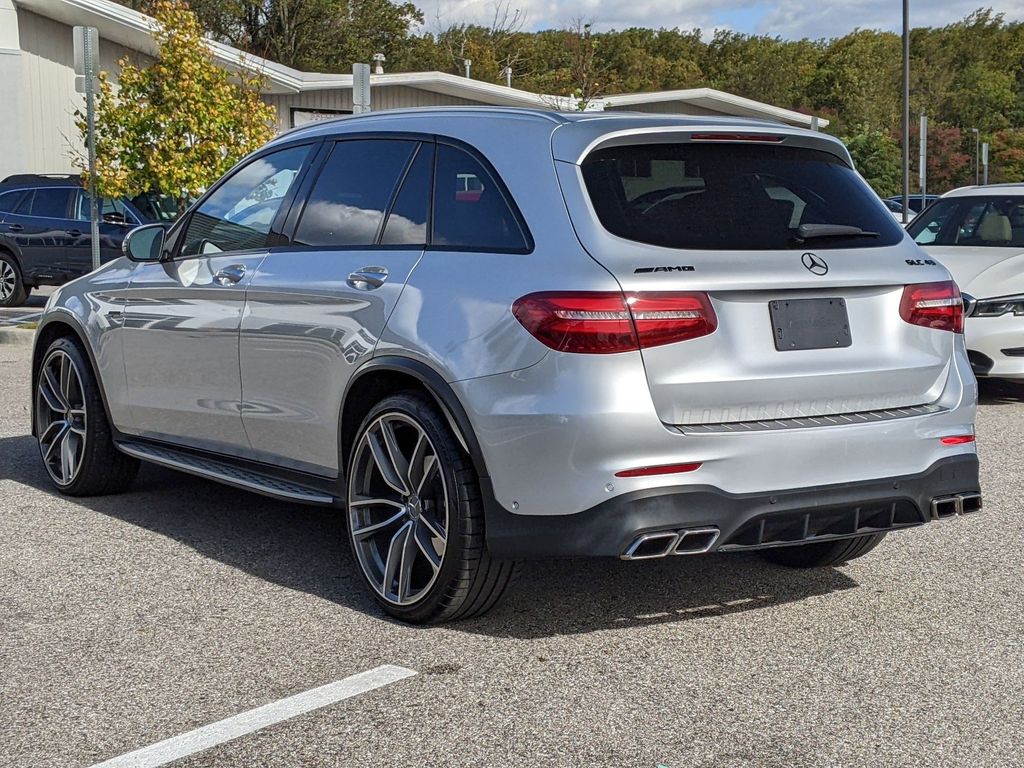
[485, 335]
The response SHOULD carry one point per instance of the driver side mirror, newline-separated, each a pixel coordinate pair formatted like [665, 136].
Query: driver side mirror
[145, 244]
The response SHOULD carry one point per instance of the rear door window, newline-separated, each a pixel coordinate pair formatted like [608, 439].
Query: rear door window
[353, 191]
[976, 222]
[471, 212]
[47, 202]
[731, 196]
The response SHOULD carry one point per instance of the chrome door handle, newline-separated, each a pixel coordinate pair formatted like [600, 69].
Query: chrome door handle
[368, 278]
[230, 275]
[75, 232]
[15, 227]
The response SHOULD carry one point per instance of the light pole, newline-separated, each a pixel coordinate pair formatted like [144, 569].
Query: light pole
[977, 157]
[906, 111]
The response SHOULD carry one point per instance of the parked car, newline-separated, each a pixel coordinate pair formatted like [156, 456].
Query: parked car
[917, 203]
[45, 232]
[641, 336]
[896, 209]
[978, 234]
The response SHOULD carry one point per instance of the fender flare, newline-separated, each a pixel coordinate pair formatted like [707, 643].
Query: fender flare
[442, 393]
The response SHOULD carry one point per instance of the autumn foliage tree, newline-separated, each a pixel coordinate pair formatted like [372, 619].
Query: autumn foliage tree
[176, 125]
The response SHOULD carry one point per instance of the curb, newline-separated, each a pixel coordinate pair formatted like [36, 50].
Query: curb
[17, 336]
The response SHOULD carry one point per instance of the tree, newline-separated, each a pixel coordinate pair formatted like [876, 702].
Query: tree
[878, 157]
[179, 124]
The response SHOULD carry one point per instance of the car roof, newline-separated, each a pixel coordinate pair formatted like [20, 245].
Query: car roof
[575, 132]
[42, 179]
[987, 190]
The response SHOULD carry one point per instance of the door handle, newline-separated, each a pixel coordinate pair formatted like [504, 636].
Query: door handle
[230, 275]
[368, 278]
[15, 227]
[75, 232]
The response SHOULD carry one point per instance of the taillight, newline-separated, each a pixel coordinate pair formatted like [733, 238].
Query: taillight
[602, 323]
[933, 305]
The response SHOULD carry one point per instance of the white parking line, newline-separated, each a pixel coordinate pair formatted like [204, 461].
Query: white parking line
[213, 734]
[23, 319]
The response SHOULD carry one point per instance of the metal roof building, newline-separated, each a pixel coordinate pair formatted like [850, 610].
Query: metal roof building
[37, 83]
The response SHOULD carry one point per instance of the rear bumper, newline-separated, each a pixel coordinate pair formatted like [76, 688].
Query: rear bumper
[744, 521]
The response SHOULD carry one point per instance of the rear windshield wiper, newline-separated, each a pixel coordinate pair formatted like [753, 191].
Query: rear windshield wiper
[809, 231]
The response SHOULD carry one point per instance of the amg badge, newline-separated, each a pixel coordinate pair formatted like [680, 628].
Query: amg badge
[644, 270]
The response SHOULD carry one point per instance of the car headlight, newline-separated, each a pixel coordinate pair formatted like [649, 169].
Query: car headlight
[1003, 305]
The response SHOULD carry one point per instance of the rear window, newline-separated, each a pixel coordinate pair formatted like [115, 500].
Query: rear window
[731, 196]
[976, 222]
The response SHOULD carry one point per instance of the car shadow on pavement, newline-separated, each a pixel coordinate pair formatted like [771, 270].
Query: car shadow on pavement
[304, 548]
[1000, 392]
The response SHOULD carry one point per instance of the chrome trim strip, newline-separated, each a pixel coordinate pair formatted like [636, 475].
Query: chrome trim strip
[809, 422]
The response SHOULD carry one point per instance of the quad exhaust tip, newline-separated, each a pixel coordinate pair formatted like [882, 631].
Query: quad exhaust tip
[688, 541]
[945, 507]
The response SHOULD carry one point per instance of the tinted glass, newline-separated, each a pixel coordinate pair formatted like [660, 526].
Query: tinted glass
[352, 192]
[407, 222]
[728, 196]
[976, 222]
[470, 211]
[239, 213]
[48, 202]
[9, 201]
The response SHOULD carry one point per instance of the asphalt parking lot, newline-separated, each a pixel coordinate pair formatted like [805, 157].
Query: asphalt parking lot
[132, 619]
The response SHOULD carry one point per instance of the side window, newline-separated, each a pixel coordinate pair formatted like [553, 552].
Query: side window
[407, 222]
[9, 201]
[352, 192]
[48, 202]
[470, 212]
[107, 205]
[239, 213]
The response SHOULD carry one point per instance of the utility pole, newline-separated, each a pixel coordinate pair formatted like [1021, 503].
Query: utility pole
[360, 88]
[906, 111]
[977, 154]
[984, 163]
[922, 170]
[86, 43]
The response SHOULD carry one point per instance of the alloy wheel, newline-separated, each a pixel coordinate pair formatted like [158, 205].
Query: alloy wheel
[398, 509]
[8, 280]
[61, 417]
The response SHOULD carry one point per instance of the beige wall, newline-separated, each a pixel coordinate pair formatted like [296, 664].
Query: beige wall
[48, 97]
[382, 97]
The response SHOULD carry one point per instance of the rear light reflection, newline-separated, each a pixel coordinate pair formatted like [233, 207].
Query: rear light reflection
[602, 322]
[664, 469]
[957, 439]
[933, 305]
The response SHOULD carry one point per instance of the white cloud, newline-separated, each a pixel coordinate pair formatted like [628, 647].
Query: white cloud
[787, 18]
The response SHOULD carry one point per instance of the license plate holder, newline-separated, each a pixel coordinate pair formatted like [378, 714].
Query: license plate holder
[810, 324]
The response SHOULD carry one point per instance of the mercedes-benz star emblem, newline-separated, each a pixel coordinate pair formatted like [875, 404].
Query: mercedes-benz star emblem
[815, 264]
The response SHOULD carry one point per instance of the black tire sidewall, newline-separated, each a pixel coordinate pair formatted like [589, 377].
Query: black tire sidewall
[453, 464]
[21, 291]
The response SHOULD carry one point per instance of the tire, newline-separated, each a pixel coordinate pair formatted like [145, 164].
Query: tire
[71, 426]
[823, 553]
[428, 500]
[13, 291]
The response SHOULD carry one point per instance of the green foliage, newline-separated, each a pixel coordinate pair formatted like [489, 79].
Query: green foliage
[878, 157]
[179, 124]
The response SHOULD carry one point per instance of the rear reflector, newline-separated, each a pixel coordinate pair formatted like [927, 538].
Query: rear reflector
[957, 439]
[772, 139]
[664, 469]
[933, 305]
[606, 322]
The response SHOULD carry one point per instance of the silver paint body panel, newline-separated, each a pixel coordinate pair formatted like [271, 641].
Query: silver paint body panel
[259, 371]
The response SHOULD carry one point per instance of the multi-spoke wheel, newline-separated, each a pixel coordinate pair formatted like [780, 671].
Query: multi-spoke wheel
[415, 518]
[13, 291]
[71, 426]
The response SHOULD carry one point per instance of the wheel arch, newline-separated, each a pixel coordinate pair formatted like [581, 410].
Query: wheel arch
[386, 375]
[53, 327]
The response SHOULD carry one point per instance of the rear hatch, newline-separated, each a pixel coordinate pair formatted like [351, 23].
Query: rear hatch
[804, 267]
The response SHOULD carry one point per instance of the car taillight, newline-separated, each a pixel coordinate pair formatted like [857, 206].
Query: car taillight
[933, 305]
[602, 322]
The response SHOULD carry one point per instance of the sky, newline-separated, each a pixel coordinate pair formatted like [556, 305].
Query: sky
[792, 19]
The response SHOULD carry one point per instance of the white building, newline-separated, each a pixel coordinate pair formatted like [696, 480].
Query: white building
[38, 98]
